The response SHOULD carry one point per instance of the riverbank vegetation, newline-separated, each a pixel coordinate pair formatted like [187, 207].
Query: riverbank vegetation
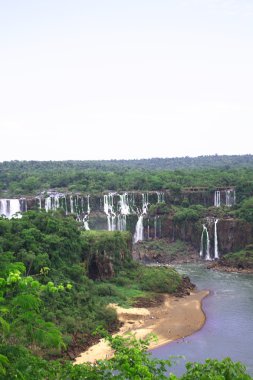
[241, 260]
[51, 300]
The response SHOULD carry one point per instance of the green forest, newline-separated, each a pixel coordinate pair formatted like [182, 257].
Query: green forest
[19, 178]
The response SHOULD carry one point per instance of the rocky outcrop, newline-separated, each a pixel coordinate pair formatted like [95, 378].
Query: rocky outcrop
[106, 252]
[234, 234]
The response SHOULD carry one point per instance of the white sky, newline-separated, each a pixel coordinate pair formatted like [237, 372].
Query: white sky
[105, 79]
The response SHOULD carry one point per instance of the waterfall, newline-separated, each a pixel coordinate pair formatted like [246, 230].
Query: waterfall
[9, 208]
[139, 229]
[216, 250]
[88, 204]
[48, 204]
[160, 197]
[230, 197]
[138, 236]
[124, 210]
[86, 222]
[52, 202]
[86, 216]
[144, 203]
[205, 251]
[71, 204]
[124, 207]
[108, 209]
[217, 198]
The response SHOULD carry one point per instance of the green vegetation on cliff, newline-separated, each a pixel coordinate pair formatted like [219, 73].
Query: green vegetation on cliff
[239, 260]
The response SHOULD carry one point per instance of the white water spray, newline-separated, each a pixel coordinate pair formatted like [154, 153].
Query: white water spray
[205, 254]
[139, 229]
[10, 208]
[217, 198]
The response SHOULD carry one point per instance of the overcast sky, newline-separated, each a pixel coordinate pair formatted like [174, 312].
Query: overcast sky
[111, 79]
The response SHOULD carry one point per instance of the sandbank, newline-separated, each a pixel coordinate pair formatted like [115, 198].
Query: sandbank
[175, 318]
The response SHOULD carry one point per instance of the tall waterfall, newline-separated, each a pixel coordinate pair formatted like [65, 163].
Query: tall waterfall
[217, 198]
[216, 249]
[86, 222]
[139, 229]
[205, 244]
[88, 204]
[138, 236]
[109, 211]
[160, 197]
[230, 197]
[9, 208]
[124, 210]
[144, 203]
[86, 216]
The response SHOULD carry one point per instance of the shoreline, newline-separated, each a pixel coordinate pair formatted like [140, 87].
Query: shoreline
[175, 318]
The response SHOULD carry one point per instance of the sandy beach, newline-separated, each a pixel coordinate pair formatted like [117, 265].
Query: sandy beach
[175, 318]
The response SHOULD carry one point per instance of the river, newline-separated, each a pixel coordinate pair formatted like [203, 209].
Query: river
[228, 330]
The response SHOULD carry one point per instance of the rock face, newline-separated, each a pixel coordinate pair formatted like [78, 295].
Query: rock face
[234, 234]
[106, 252]
[100, 267]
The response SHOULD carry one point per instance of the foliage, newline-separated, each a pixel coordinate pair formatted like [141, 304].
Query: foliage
[21, 177]
[192, 213]
[160, 280]
[131, 361]
[213, 369]
[246, 210]
[114, 245]
[240, 260]
[159, 209]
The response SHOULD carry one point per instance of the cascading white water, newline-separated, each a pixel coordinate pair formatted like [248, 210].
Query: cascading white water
[109, 211]
[139, 229]
[124, 210]
[48, 204]
[86, 223]
[144, 203]
[10, 208]
[88, 204]
[217, 198]
[216, 248]
[230, 197]
[138, 236]
[71, 204]
[86, 216]
[205, 254]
